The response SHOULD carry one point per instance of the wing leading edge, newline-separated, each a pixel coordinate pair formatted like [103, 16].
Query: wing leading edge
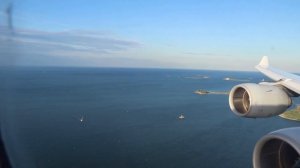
[288, 80]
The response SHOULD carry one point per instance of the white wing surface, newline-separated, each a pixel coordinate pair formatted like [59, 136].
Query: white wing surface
[288, 80]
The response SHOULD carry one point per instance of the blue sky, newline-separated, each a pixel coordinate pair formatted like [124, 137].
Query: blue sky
[229, 34]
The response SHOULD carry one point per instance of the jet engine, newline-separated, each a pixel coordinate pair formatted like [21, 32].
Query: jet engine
[279, 149]
[258, 100]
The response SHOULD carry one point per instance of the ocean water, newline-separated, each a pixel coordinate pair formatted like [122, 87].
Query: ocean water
[129, 118]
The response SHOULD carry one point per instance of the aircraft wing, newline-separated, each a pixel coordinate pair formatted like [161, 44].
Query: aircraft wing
[288, 80]
[280, 148]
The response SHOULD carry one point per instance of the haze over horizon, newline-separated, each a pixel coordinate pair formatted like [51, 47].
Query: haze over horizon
[216, 35]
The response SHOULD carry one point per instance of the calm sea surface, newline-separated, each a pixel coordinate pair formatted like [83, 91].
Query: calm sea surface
[129, 118]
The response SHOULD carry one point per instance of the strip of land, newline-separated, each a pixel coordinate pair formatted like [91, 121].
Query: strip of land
[293, 114]
[237, 80]
[197, 77]
[204, 92]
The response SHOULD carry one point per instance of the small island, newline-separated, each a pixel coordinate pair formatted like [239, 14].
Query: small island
[204, 92]
[197, 77]
[237, 80]
[293, 114]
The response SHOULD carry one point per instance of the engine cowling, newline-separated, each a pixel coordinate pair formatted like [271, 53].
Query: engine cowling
[257, 100]
[279, 149]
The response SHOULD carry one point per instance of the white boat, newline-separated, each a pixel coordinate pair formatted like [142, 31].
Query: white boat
[181, 117]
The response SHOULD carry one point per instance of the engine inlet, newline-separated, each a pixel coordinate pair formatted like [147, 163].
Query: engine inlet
[241, 100]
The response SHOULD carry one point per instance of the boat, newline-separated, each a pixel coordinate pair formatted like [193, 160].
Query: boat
[81, 119]
[181, 117]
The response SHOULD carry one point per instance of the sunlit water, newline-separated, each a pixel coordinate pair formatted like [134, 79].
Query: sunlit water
[101, 117]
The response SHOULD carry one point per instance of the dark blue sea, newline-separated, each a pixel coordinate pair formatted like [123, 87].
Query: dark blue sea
[125, 118]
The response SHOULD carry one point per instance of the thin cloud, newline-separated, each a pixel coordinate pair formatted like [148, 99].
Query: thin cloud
[71, 40]
[24, 43]
[205, 54]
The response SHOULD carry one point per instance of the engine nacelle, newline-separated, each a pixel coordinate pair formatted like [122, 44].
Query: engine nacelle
[279, 149]
[257, 100]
